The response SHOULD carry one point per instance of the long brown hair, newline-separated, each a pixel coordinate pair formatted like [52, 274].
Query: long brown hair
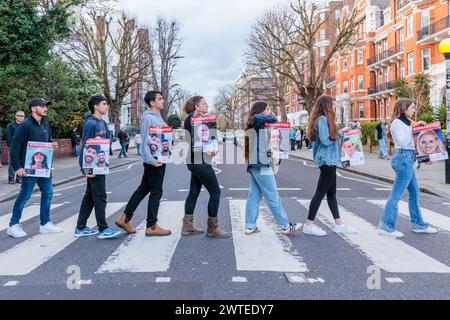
[323, 107]
[189, 105]
[257, 108]
[400, 107]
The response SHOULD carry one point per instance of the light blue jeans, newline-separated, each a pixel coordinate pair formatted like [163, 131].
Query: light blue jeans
[263, 184]
[405, 178]
[383, 147]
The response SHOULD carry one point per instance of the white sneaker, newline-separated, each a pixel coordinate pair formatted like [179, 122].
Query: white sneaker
[49, 228]
[292, 229]
[395, 234]
[343, 228]
[426, 230]
[16, 231]
[313, 230]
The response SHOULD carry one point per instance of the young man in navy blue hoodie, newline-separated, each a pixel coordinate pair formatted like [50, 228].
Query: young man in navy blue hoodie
[95, 195]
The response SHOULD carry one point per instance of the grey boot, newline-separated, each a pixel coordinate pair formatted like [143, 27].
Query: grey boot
[213, 229]
[188, 226]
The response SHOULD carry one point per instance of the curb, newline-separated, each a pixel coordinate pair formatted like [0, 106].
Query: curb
[373, 176]
[67, 180]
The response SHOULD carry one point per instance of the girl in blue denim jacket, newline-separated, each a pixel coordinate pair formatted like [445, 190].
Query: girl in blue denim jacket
[405, 178]
[323, 133]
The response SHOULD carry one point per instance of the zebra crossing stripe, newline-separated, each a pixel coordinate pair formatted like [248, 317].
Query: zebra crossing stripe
[436, 219]
[33, 252]
[27, 214]
[264, 251]
[149, 254]
[392, 255]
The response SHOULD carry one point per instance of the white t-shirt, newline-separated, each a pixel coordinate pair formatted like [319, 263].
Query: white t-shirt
[402, 135]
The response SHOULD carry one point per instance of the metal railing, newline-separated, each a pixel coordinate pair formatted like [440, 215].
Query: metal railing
[381, 87]
[386, 54]
[433, 28]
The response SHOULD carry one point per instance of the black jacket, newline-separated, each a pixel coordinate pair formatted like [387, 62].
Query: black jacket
[10, 130]
[29, 130]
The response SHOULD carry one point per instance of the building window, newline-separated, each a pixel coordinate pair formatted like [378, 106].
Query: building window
[294, 97]
[352, 84]
[337, 65]
[360, 82]
[410, 63]
[322, 34]
[409, 26]
[337, 13]
[344, 64]
[322, 51]
[401, 35]
[361, 110]
[352, 57]
[338, 88]
[426, 59]
[360, 56]
[381, 111]
[402, 70]
[345, 86]
[322, 17]
[386, 74]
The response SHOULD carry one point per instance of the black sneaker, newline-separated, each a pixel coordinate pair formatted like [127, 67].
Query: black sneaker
[11, 180]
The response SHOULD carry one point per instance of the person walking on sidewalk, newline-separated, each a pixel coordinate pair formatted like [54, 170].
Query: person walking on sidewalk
[382, 139]
[298, 137]
[95, 195]
[262, 178]
[75, 141]
[123, 140]
[293, 131]
[138, 141]
[36, 129]
[10, 130]
[202, 174]
[405, 177]
[154, 171]
[324, 138]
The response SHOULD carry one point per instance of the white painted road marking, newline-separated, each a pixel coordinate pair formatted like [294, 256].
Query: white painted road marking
[392, 255]
[162, 279]
[239, 279]
[264, 251]
[394, 280]
[139, 253]
[11, 284]
[66, 188]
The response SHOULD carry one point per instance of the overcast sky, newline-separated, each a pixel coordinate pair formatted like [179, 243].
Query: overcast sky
[214, 32]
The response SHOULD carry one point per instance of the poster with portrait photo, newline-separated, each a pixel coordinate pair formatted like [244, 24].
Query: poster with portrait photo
[205, 134]
[278, 139]
[430, 142]
[38, 159]
[96, 156]
[160, 143]
[351, 149]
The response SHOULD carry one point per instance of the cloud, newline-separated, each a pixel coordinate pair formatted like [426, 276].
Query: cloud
[215, 33]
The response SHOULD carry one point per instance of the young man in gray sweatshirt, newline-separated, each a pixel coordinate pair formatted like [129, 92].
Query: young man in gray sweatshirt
[154, 170]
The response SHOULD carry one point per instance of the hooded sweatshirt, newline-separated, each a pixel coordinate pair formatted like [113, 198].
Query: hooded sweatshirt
[149, 119]
[93, 127]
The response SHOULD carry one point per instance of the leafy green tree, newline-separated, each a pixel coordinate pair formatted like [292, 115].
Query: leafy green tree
[417, 89]
[174, 121]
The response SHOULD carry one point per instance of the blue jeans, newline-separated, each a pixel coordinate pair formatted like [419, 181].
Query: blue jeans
[26, 189]
[77, 153]
[405, 178]
[123, 151]
[138, 147]
[263, 184]
[383, 147]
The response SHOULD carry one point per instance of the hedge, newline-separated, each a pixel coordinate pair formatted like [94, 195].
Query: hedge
[368, 132]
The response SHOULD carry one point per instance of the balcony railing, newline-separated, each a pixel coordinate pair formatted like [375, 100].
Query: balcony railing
[330, 80]
[386, 54]
[381, 87]
[433, 28]
[402, 3]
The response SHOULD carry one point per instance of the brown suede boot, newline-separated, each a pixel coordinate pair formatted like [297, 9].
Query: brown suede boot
[213, 229]
[188, 226]
[157, 231]
[124, 223]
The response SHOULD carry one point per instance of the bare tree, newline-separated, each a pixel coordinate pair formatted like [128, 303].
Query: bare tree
[177, 101]
[226, 105]
[295, 44]
[265, 54]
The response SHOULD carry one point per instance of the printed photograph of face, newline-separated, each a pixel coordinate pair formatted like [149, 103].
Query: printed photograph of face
[351, 149]
[102, 163]
[203, 133]
[428, 142]
[275, 140]
[90, 156]
[165, 147]
[155, 144]
[39, 161]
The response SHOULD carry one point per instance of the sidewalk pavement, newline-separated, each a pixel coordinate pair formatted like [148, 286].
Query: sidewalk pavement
[431, 177]
[66, 170]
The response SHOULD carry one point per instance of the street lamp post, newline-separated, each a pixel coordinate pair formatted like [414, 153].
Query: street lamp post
[444, 48]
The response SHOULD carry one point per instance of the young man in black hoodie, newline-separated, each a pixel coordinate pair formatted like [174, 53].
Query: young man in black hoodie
[95, 195]
[35, 128]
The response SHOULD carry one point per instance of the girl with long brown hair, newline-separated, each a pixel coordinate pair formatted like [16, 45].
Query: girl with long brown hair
[324, 137]
[400, 131]
[262, 179]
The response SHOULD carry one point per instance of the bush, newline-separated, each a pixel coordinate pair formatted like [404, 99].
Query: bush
[427, 117]
[368, 133]
[174, 121]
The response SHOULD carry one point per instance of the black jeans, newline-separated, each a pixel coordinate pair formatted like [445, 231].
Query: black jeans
[325, 186]
[94, 197]
[152, 182]
[203, 175]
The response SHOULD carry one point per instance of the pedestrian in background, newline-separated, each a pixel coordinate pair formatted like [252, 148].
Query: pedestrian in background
[405, 177]
[298, 137]
[123, 139]
[75, 141]
[137, 141]
[382, 139]
[10, 130]
[324, 138]
[262, 178]
[293, 131]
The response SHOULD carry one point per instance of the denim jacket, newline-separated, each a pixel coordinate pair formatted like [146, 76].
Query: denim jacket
[325, 151]
[258, 157]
